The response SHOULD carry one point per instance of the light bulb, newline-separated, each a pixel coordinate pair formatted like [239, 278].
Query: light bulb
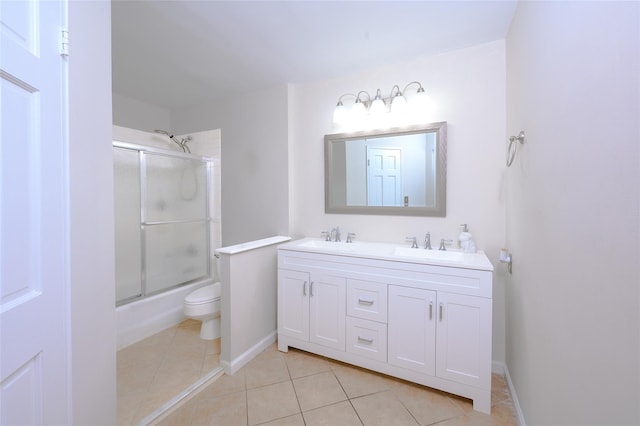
[340, 114]
[419, 105]
[399, 104]
[358, 111]
[378, 107]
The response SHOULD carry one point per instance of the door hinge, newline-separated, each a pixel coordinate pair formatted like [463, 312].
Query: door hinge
[64, 42]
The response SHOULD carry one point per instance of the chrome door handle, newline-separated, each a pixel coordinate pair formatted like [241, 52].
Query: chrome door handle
[431, 310]
[365, 301]
[311, 289]
[304, 289]
[364, 339]
[441, 311]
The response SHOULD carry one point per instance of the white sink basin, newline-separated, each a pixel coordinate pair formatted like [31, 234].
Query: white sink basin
[330, 246]
[392, 252]
[456, 256]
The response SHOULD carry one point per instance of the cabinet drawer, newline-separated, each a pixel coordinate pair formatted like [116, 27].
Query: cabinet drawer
[367, 338]
[367, 300]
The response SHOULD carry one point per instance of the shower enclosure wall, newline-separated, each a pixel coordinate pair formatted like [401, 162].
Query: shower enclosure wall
[163, 220]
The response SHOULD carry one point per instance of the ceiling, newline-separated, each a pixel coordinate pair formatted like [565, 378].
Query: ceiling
[176, 54]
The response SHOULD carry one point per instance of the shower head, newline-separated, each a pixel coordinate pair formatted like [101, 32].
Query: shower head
[163, 132]
[181, 143]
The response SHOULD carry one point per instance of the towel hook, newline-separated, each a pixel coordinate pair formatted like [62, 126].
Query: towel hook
[511, 151]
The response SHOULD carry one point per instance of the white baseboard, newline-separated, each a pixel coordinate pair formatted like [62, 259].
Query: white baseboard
[231, 366]
[501, 368]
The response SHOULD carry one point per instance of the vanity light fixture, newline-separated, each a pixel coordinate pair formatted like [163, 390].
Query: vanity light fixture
[378, 107]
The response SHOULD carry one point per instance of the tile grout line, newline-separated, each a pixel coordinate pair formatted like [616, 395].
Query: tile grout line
[347, 395]
[182, 398]
[295, 392]
[164, 347]
[292, 362]
[146, 389]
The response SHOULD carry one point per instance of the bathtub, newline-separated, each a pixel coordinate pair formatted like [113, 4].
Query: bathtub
[138, 320]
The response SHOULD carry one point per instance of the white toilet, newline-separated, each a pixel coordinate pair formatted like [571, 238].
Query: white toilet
[204, 304]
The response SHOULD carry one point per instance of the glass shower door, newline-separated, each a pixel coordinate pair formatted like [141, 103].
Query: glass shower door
[162, 221]
[175, 221]
[126, 173]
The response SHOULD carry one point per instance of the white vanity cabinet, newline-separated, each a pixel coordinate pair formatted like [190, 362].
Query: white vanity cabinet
[412, 319]
[311, 307]
[441, 334]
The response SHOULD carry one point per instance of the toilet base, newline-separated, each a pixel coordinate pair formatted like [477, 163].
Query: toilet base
[210, 329]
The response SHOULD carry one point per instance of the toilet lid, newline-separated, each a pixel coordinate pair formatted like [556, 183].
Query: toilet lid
[204, 294]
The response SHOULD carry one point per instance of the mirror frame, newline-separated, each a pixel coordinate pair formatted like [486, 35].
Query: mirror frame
[440, 208]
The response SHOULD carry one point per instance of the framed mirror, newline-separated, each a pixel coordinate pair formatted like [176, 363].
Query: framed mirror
[400, 171]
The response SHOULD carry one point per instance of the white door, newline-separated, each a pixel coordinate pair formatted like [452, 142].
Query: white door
[34, 289]
[412, 329]
[293, 304]
[464, 339]
[384, 177]
[327, 297]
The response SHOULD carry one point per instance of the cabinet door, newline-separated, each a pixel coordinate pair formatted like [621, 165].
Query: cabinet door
[327, 296]
[293, 304]
[412, 328]
[464, 339]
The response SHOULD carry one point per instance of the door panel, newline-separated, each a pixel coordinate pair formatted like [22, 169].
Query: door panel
[464, 349]
[293, 304]
[327, 311]
[384, 187]
[412, 329]
[33, 216]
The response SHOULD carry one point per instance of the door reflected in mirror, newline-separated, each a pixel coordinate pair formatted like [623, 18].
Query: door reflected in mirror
[393, 172]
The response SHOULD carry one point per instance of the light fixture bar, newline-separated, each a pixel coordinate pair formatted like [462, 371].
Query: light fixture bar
[377, 108]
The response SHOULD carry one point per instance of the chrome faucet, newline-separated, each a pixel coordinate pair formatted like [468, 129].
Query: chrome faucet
[442, 243]
[326, 235]
[350, 236]
[414, 244]
[427, 241]
[335, 234]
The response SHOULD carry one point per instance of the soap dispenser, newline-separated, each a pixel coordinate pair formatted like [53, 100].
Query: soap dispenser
[466, 240]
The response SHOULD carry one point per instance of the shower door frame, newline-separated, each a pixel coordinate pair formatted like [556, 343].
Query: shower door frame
[143, 224]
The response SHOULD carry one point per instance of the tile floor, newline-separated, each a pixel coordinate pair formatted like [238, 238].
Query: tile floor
[156, 369]
[297, 388]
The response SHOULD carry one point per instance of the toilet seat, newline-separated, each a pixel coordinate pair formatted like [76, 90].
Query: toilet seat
[203, 295]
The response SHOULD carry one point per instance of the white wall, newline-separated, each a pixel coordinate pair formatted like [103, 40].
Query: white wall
[573, 213]
[248, 279]
[468, 87]
[91, 274]
[255, 134]
[135, 114]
